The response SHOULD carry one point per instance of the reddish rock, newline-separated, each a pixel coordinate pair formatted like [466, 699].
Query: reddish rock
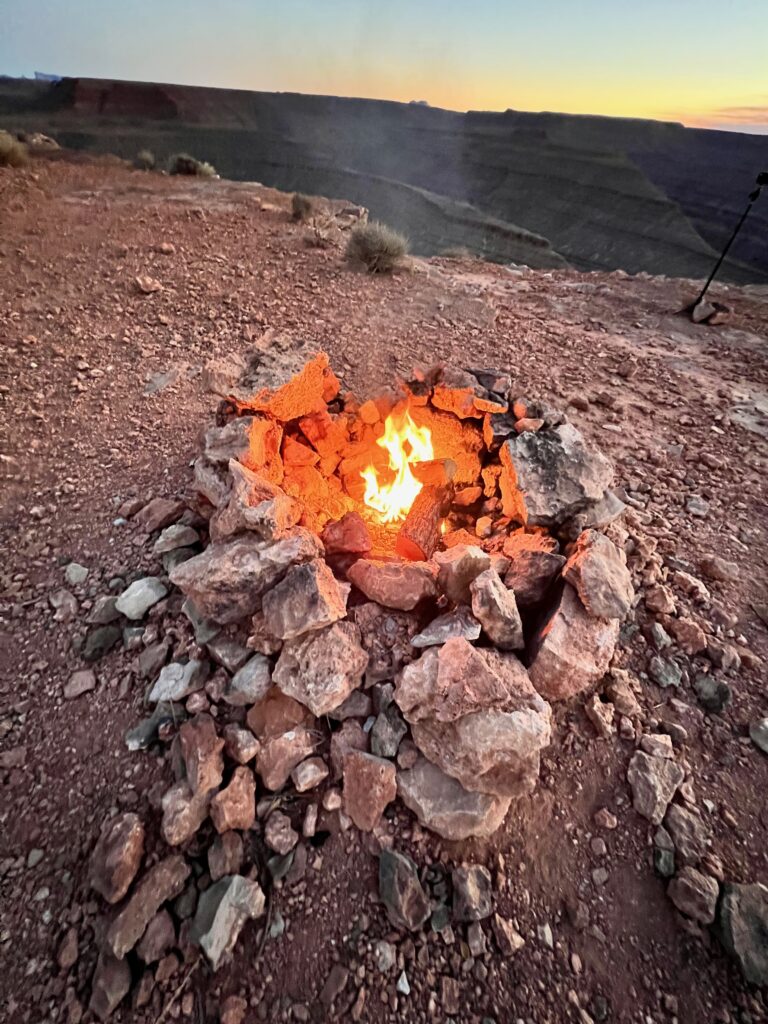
[400, 585]
[79, 683]
[321, 669]
[117, 856]
[346, 536]
[183, 812]
[572, 649]
[279, 833]
[690, 637]
[369, 785]
[110, 985]
[309, 598]
[598, 571]
[457, 568]
[68, 950]
[158, 513]
[201, 748]
[303, 393]
[442, 805]
[694, 895]
[349, 737]
[225, 856]
[235, 805]
[159, 937]
[279, 755]
[278, 714]
[161, 883]
[496, 609]
[240, 744]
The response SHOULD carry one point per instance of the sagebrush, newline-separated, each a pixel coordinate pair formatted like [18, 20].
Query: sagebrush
[145, 160]
[302, 206]
[183, 163]
[12, 152]
[378, 248]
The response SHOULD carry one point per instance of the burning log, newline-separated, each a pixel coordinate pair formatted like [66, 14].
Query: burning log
[420, 532]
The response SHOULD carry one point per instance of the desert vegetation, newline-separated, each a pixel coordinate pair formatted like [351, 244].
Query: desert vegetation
[12, 152]
[377, 247]
[302, 207]
[183, 163]
[145, 160]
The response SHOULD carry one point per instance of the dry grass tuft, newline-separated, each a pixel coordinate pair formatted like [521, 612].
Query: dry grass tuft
[12, 152]
[183, 163]
[302, 207]
[145, 160]
[378, 248]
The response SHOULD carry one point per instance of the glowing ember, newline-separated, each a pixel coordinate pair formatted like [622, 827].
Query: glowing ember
[406, 443]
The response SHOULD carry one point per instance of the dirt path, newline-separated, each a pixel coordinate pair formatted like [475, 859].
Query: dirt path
[101, 398]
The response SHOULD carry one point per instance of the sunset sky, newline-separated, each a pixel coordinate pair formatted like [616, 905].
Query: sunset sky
[702, 62]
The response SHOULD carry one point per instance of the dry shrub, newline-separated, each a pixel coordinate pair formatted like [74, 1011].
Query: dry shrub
[323, 233]
[302, 207]
[12, 152]
[145, 160]
[183, 163]
[378, 248]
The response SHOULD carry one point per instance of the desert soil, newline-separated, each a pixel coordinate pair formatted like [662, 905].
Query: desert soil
[102, 400]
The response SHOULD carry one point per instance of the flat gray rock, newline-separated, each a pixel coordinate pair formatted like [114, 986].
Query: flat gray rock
[222, 910]
[136, 600]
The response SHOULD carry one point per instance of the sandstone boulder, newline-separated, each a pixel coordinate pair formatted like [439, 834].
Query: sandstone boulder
[308, 598]
[399, 585]
[227, 580]
[572, 649]
[322, 668]
[442, 805]
[597, 569]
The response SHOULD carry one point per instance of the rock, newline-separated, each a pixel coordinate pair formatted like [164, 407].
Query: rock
[357, 705]
[233, 1010]
[201, 748]
[695, 505]
[322, 668]
[136, 600]
[228, 652]
[349, 737]
[100, 641]
[654, 781]
[550, 476]
[111, 983]
[386, 635]
[689, 834]
[664, 672]
[152, 659]
[64, 605]
[369, 786]
[694, 895]
[600, 713]
[75, 574]
[225, 856]
[335, 984]
[532, 575]
[308, 598]
[346, 536]
[388, 729]
[279, 833]
[508, 939]
[277, 714]
[79, 683]
[663, 853]
[472, 893]
[496, 609]
[222, 910]
[572, 649]
[476, 716]
[457, 623]
[385, 956]
[183, 812]
[716, 568]
[251, 683]
[67, 953]
[160, 883]
[211, 482]
[227, 580]
[659, 599]
[713, 694]
[457, 568]
[240, 744]
[742, 927]
[309, 774]
[597, 570]
[657, 745]
[235, 805]
[401, 892]
[279, 755]
[104, 610]
[179, 535]
[159, 937]
[158, 513]
[178, 680]
[117, 856]
[292, 383]
[400, 585]
[689, 635]
[254, 504]
[442, 805]
[758, 733]
[204, 630]
[142, 736]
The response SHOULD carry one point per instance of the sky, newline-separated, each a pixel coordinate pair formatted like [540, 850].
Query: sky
[702, 62]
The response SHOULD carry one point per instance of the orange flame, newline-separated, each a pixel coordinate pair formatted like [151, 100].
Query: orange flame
[406, 443]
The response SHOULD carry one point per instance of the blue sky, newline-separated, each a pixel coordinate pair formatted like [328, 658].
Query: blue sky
[705, 62]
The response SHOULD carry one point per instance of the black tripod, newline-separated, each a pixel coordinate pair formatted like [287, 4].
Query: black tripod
[762, 179]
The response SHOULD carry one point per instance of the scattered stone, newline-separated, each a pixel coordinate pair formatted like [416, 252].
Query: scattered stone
[742, 926]
[142, 736]
[400, 585]
[665, 672]
[659, 599]
[228, 652]
[496, 609]
[225, 856]
[694, 895]
[716, 568]
[572, 649]
[758, 733]
[240, 744]
[117, 856]
[385, 956]
[64, 605]
[158, 513]
[442, 805]
[233, 1010]
[160, 883]
[322, 668]
[457, 623]
[347, 536]
[334, 985]
[663, 853]
[603, 818]
[183, 812]
[357, 705]
[201, 748]
[104, 610]
[309, 774]
[657, 745]
[235, 805]
[713, 694]
[600, 713]
[279, 755]
[387, 732]
[369, 785]
[152, 659]
[457, 568]
[597, 570]
[111, 983]
[351, 736]
[177, 536]
[654, 781]
[159, 937]
[100, 641]
[689, 834]
[450, 995]
[472, 893]
[67, 953]
[75, 574]
[178, 680]
[222, 910]
[508, 939]
[255, 504]
[402, 986]
[279, 833]
[136, 600]
[79, 683]
[695, 505]
[251, 683]
[401, 892]
[308, 598]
